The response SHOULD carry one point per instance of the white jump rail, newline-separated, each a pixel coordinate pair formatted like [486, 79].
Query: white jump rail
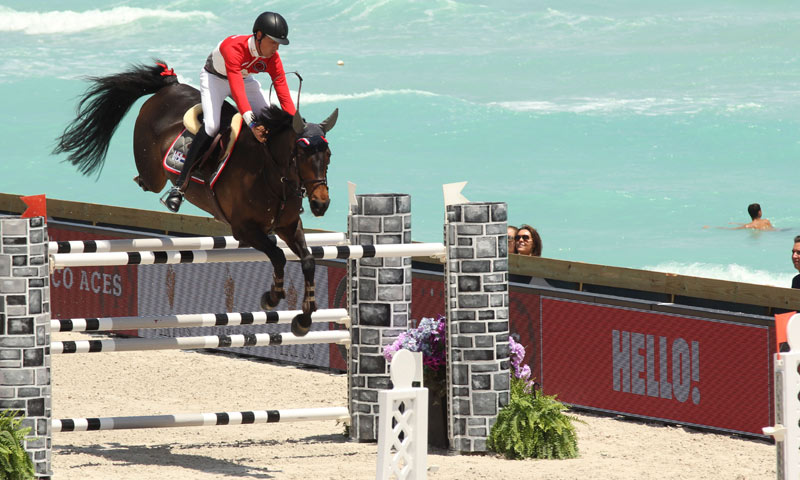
[201, 419]
[61, 260]
[179, 243]
[340, 337]
[786, 430]
[336, 315]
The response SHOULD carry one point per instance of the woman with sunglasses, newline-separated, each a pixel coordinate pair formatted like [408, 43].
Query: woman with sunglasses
[512, 233]
[528, 241]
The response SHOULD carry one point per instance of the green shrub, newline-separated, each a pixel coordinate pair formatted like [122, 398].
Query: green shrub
[15, 463]
[533, 425]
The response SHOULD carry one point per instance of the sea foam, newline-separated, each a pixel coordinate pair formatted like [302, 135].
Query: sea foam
[67, 21]
[339, 97]
[639, 106]
[731, 272]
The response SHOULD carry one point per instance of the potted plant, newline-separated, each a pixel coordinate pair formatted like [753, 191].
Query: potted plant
[15, 463]
[532, 425]
[429, 339]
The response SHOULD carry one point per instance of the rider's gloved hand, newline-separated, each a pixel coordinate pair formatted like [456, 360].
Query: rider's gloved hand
[260, 133]
[258, 130]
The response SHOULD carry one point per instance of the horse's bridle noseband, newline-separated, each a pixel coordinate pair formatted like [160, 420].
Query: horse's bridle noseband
[315, 144]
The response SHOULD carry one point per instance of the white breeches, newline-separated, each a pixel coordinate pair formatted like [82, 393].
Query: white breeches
[214, 90]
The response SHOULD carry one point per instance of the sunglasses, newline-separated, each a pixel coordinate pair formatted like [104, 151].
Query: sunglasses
[522, 237]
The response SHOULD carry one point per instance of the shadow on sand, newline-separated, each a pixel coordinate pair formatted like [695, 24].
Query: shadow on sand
[168, 455]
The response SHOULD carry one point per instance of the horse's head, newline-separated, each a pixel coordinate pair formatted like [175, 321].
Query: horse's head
[313, 156]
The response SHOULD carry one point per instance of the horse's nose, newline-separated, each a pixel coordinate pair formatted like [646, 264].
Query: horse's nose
[318, 207]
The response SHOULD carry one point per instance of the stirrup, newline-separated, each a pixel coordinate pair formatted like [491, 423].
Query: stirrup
[172, 199]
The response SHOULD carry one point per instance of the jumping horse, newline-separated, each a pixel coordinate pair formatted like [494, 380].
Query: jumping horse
[261, 188]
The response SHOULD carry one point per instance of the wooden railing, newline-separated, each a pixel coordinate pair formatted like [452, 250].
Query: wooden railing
[564, 270]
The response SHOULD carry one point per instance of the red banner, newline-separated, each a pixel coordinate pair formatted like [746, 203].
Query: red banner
[89, 292]
[689, 370]
[427, 298]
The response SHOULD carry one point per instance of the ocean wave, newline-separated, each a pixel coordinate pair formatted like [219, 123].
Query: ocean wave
[640, 106]
[338, 97]
[732, 272]
[678, 19]
[554, 17]
[67, 21]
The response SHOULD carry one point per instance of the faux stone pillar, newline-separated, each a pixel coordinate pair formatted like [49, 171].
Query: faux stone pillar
[379, 294]
[25, 332]
[476, 273]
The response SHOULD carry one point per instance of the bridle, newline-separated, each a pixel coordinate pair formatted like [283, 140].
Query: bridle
[314, 144]
[301, 187]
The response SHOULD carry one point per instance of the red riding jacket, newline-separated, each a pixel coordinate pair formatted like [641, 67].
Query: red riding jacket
[235, 58]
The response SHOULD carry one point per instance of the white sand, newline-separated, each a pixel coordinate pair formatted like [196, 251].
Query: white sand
[166, 382]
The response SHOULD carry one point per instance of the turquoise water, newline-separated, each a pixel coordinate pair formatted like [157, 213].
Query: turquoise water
[619, 129]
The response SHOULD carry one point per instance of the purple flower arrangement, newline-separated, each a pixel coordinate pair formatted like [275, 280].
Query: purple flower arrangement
[427, 338]
[522, 372]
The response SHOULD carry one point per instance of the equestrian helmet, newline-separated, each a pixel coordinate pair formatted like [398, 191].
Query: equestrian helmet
[272, 25]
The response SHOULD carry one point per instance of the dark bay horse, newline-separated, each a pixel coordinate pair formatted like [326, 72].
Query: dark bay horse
[260, 190]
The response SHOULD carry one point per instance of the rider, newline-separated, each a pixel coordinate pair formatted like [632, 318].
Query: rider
[228, 71]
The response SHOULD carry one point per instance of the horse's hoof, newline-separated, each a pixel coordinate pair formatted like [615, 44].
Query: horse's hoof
[301, 324]
[267, 303]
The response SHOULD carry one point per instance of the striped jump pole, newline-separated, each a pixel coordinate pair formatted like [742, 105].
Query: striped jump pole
[179, 243]
[340, 337]
[336, 315]
[201, 419]
[60, 260]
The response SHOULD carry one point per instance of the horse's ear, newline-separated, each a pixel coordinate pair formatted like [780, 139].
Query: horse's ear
[329, 122]
[298, 124]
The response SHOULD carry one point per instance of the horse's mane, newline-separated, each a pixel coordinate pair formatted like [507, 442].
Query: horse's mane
[275, 118]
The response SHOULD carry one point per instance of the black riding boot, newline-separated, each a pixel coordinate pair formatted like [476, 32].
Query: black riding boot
[199, 145]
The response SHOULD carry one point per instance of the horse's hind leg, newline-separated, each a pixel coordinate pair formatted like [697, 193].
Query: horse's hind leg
[151, 140]
[141, 183]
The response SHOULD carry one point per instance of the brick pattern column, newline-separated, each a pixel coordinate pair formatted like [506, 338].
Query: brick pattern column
[25, 331]
[379, 294]
[476, 273]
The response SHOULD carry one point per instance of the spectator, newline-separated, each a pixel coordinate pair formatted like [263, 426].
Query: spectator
[528, 241]
[512, 233]
[796, 261]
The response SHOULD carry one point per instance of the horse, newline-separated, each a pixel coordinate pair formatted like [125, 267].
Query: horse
[261, 189]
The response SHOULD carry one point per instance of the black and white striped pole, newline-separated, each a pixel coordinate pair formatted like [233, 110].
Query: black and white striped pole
[250, 417]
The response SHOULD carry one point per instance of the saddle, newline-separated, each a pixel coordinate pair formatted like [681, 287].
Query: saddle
[210, 166]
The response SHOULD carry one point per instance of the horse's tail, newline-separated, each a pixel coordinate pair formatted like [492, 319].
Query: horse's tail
[101, 109]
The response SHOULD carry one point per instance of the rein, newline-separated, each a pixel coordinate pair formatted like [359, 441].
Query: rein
[303, 187]
[297, 188]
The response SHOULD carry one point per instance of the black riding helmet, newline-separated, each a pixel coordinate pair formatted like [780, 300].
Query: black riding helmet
[272, 25]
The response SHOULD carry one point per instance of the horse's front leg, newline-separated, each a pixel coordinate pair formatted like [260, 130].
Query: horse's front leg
[256, 239]
[296, 241]
[276, 293]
